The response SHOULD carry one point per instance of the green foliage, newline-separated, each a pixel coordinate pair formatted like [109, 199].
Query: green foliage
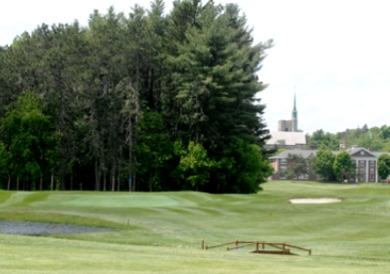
[213, 77]
[154, 152]
[322, 140]
[299, 167]
[241, 168]
[343, 166]
[370, 138]
[30, 140]
[194, 164]
[375, 138]
[6, 163]
[323, 164]
[120, 92]
[383, 166]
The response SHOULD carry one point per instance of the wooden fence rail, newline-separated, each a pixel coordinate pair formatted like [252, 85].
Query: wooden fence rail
[282, 248]
[213, 246]
[301, 248]
[241, 246]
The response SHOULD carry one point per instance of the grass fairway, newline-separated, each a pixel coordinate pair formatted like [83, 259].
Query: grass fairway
[166, 229]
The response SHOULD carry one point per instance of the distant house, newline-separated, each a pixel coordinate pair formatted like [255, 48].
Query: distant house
[366, 164]
[280, 163]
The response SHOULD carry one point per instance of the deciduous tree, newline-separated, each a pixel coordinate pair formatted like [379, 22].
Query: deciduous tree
[384, 166]
[323, 164]
[343, 166]
[30, 139]
[299, 167]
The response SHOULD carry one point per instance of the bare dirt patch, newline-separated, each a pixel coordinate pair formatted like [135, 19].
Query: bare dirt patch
[315, 200]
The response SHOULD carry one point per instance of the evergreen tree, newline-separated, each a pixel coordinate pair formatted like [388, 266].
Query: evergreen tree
[122, 91]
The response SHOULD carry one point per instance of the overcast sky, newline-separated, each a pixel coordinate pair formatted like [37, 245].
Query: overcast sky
[336, 53]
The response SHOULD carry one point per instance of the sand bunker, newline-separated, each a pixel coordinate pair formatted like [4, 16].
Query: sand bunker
[315, 201]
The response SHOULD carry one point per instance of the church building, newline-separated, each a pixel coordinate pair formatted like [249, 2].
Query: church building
[288, 136]
[290, 125]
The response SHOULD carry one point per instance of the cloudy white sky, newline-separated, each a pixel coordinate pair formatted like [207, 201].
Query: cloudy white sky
[335, 52]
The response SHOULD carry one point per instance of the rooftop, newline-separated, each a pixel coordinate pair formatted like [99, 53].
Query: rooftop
[286, 138]
[306, 153]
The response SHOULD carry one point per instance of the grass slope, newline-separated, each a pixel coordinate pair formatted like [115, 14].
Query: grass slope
[166, 229]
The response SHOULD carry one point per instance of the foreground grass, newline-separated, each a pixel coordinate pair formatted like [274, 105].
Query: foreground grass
[166, 228]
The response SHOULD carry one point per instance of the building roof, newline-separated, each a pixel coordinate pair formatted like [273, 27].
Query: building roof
[286, 138]
[306, 153]
[355, 150]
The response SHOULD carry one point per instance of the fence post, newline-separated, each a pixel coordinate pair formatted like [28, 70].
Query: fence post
[262, 245]
[257, 247]
[54, 231]
[284, 246]
[202, 244]
[310, 251]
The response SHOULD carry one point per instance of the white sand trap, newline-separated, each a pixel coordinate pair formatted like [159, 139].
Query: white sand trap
[315, 201]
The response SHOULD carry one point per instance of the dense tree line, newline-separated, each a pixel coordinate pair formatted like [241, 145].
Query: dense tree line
[143, 102]
[327, 165]
[375, 138]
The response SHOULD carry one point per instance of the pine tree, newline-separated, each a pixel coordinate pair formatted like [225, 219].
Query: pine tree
[215, 83]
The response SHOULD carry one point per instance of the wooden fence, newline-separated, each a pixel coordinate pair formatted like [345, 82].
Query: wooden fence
[260, 247]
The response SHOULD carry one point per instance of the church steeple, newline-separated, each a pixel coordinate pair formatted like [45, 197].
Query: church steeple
[295, 114]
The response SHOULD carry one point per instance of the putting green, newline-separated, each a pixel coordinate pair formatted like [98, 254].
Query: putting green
[101, 200]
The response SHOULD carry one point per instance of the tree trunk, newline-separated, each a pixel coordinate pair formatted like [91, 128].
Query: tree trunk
[62, 187]
[61, 123]
[97, 175]
[130, 152]
[71, 181]
[104, 180]
[135, 180]
[40, 184]
[113, 178]
[119, 166]
[9, 182]
[104, 173]
[52, 182]
[137, 110]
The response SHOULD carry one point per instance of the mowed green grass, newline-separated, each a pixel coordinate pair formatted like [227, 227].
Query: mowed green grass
[166, 230]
